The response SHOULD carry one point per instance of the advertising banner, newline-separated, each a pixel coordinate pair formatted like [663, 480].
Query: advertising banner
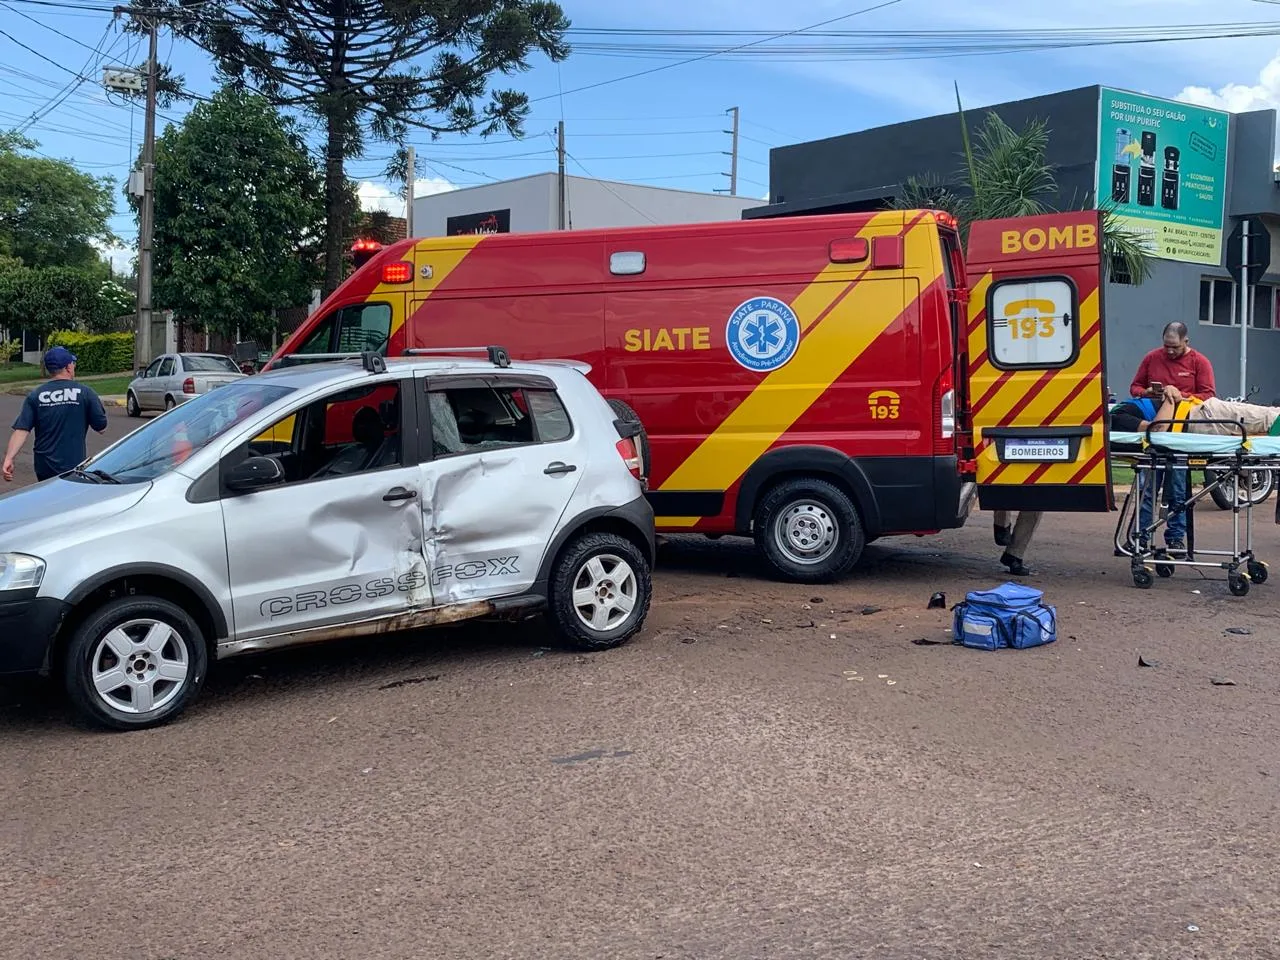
[1163, 164]
[491, 221]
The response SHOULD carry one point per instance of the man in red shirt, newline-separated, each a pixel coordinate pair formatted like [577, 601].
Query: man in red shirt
[1174, 366]
[1168, 375]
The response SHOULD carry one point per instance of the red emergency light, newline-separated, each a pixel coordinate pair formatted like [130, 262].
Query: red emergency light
[399, 272]
[363, 249]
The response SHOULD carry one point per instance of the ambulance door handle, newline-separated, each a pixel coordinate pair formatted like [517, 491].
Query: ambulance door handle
[559, 469]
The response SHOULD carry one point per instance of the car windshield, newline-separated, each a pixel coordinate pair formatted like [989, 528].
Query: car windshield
[167, 441]
[209, 365]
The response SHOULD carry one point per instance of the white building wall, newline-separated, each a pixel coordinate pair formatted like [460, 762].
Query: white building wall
[592, 204]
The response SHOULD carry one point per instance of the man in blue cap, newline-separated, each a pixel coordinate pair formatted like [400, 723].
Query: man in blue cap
[60, 414]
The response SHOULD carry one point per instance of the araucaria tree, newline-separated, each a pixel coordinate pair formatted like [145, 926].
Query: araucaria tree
[375, 69]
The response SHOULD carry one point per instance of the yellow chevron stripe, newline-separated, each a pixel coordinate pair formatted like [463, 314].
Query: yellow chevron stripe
[442, 255]
[830, 347]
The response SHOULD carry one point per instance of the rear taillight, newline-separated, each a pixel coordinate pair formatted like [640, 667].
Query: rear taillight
[944, 409]
[630, 456]
[189, 385]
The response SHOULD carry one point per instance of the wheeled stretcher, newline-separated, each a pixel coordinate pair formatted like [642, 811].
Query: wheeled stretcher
[1232, 457]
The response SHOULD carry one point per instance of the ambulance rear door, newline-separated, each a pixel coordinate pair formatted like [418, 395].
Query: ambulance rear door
[1037, 362]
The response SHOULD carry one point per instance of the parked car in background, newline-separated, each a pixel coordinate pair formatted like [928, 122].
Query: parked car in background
[177, 377]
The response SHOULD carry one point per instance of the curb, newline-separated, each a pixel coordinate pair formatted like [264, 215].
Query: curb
[112, 401]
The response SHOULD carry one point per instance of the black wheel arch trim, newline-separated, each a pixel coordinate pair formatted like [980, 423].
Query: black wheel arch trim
[808, 461]
[632, 514]
[160, 570]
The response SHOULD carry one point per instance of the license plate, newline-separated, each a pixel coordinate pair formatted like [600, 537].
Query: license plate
[1037, 450]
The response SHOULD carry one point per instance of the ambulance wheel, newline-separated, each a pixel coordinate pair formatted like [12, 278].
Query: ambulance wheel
[131, 405]
[809, 531]
[1238, 585]
[1142, 579]
[623, 411]
[1257, 571]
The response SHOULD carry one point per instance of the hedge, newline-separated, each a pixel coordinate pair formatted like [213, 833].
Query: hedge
[97, 352]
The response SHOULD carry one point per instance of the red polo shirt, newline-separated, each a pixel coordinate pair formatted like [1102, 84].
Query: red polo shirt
[1191, 373]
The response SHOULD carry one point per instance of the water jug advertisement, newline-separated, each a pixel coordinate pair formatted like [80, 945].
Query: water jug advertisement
[1163, 165]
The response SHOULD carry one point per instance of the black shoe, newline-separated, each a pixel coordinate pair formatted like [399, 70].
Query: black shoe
[1176, 547]
[1003, 536]
[1016, 567]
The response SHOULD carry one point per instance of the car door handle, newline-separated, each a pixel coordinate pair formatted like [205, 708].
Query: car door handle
[398, 493]
[559, 469]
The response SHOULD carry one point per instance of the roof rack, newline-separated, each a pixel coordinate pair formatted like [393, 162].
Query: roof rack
[372, 362]
[498, 356]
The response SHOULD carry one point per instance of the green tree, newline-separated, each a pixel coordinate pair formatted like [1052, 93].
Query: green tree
[51, 214]
[1006, 173]
[376, 68]
[238, 210]
[44, 299]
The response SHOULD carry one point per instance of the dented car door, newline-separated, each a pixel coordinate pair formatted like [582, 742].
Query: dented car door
[338, 546]
[504, 464]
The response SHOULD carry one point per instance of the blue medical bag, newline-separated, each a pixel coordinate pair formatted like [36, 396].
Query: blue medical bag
[1011, 615]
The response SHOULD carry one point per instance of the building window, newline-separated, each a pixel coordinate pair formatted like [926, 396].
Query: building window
[1220, 304]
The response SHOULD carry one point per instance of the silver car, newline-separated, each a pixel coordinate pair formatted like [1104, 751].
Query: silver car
[177, 377]
[325, 500]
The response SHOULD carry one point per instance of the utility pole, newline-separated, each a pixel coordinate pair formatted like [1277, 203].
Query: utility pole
[409, 178]
[733, 162]
[562, 205]
[146, 224]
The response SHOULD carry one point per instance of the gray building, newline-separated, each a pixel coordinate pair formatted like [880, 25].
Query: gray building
[864, 171]
[532, 205]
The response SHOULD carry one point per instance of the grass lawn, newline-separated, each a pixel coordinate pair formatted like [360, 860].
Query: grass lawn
[110, 386]
[20, 373]
[1122, 475]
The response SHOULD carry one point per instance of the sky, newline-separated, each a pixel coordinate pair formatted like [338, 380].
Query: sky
[668, 128]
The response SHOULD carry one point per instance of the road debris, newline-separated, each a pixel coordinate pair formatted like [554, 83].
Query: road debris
[1222, 681]
[1144, 662]
[407, 681]
[868, 611]
[1239, 631]
[938, 601]
[926, 642]
[616, 753]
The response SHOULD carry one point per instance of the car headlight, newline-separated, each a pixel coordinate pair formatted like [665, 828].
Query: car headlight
[20, 572]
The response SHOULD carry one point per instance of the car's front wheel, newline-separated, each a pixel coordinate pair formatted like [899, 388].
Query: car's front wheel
[600, 589]
[131, 405]
[135, 662]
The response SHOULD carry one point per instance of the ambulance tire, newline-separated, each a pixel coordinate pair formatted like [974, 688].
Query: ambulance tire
[624, 412]
[808, 530]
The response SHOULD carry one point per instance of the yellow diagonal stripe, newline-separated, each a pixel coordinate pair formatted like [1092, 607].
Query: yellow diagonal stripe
[442, 255]
[828, 349]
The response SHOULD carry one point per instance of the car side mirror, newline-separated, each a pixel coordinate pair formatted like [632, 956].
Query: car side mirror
[254, 473]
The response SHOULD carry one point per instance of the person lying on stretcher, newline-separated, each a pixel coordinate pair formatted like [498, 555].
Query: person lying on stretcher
[1188, 415]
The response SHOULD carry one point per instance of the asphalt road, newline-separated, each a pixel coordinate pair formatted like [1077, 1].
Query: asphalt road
[719, 788]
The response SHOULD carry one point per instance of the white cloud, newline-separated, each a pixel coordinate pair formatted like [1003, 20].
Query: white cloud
[376, 195]
[1240, 97]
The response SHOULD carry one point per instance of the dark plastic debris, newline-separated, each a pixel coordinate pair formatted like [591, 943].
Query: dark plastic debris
[1144, 662]
[926, 642]
[938, 601]
[868, 611]
[1222, 682]
[816, 600]
[1239, 631]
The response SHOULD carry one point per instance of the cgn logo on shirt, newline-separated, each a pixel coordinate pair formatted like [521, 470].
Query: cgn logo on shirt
[66, 395]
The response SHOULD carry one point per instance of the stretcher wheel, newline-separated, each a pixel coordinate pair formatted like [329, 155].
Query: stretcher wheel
[1238, 585]
[1257, 571]
[1142, 579]
[1165, 570]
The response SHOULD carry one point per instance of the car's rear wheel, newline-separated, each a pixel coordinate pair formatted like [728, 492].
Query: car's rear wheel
[809, 531]
[131, 405]
[169, 403]
[135, 662]
[600, 588]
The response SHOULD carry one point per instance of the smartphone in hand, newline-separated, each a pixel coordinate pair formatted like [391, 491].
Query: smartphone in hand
[1156, 388]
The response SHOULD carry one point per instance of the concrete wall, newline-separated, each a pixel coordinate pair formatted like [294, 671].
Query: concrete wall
[592, 204]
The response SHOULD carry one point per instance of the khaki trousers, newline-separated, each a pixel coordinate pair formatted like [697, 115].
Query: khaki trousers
[1023, 530]
[1257, 419]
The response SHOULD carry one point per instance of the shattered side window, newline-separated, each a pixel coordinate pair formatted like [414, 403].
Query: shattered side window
[473, 419]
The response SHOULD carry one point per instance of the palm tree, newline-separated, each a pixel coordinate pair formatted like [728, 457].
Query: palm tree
[1006, 174]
